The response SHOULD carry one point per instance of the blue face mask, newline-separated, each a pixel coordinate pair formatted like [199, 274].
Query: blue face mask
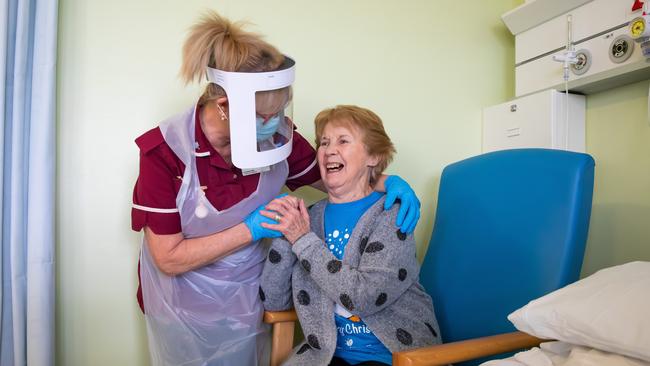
[267, 129]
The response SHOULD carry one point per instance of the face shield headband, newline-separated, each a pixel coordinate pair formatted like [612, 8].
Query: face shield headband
[241, 89]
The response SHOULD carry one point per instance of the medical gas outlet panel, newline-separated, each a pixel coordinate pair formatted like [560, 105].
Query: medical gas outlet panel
[602, 42]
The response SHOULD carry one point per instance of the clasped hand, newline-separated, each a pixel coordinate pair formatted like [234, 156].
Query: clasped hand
[292, 217]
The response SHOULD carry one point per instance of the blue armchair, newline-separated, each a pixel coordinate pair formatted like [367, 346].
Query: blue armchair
[511, 226]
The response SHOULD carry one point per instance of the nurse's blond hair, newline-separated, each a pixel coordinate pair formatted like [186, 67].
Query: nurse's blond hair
[217, 42]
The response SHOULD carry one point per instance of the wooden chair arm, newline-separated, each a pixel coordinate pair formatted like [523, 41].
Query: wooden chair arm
[465, 350]
[271, 317]
[282, 339]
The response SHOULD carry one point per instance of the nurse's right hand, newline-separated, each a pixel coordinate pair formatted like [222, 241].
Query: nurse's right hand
[254, 223]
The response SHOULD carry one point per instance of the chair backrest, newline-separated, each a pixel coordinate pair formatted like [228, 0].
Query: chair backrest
[510, 226]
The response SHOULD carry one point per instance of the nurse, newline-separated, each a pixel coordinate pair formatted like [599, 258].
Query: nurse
[205, 174]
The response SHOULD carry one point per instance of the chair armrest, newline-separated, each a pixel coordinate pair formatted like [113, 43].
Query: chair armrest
[271, 317]
[282, 339]
[465, 350]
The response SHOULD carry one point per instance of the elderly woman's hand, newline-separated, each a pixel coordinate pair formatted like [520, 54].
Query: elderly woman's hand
[292, 217]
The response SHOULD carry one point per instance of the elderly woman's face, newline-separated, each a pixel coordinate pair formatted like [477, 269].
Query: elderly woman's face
[343, 161]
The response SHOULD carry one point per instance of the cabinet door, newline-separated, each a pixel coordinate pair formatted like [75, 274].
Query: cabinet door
[523, 122]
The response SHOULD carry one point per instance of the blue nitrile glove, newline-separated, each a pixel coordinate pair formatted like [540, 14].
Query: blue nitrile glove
[254, 223]
[409, 211]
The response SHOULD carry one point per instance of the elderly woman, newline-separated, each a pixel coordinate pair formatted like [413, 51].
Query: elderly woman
[351, 274]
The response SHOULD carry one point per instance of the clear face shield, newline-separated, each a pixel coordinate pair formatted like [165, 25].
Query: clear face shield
[260, 114]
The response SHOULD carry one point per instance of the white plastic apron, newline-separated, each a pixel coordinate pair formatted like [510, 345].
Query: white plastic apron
[212, 315]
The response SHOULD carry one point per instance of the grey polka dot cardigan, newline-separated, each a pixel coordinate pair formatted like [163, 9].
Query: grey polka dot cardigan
[377, 280]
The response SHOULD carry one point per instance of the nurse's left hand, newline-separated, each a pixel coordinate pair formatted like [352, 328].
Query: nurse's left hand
[409, 211]
[254, 223]
[292, 217]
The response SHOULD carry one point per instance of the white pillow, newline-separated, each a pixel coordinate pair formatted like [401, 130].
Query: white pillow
[609, 310]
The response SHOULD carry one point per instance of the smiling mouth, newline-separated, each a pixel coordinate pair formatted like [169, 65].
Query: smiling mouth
[333, 167]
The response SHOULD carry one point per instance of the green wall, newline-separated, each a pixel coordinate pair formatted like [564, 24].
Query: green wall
[618, 137]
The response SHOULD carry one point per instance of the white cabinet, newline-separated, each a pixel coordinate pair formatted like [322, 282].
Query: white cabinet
[537, 120]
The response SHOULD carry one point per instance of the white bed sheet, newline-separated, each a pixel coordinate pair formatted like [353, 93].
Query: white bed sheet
[565, 354]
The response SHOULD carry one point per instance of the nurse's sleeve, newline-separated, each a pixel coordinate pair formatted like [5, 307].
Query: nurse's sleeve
[154, 194]
[303, 168]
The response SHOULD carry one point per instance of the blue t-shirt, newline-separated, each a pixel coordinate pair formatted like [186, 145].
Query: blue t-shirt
[355, 343]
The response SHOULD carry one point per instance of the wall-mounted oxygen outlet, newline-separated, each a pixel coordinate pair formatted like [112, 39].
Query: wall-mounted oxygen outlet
[621, 48]
[583, 62]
